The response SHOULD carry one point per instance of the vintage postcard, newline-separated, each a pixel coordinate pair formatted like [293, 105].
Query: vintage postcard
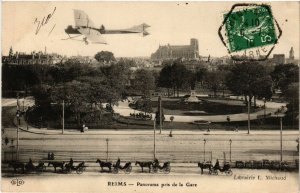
[150, 97]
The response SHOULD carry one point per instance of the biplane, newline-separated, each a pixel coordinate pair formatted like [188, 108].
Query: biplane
[85, 27]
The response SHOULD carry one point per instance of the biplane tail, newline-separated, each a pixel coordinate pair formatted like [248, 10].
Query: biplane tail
[140, 29]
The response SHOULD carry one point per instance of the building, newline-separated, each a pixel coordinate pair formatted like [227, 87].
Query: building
[21, 58]
[292, 59]
[187, 52]
[279, 58]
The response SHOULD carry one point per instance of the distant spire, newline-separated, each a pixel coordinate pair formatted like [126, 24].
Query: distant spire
[11, 53]
[292, 57]
[45, 50]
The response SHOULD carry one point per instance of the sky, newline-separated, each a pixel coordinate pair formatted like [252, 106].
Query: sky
[171, 22]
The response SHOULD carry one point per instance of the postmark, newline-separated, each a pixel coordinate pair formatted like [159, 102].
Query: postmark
[249, 32]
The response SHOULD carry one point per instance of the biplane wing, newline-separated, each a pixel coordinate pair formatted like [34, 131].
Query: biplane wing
[92, 35]
[82, 19]
[86, 27]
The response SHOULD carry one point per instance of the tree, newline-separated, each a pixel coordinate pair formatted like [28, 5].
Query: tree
[291, 94]
[263, 88]
[200, 74]
[42, 95]
[75, 95]
[180, 75]
[117, 77]
[215, 80]
[246, 78]
[165, 79]
[144, 82]
[174, 75]
[105, 56]
[284, 74]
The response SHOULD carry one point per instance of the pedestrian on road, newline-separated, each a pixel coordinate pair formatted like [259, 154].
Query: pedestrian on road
[6, 140]
[228, 118]
[236, 128]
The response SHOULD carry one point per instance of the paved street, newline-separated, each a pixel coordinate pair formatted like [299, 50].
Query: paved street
[123, 109]
[271, 107]
[129, 145]
[186, 146]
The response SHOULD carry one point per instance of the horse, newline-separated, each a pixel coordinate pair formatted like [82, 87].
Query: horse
[104, 164]
[57, 165]
[205, 165]
[16, 165]
[144, 164]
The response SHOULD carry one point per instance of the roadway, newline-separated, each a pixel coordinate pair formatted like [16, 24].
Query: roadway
[132, 145]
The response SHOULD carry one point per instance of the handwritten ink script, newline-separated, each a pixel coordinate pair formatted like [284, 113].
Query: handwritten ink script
[43, 22]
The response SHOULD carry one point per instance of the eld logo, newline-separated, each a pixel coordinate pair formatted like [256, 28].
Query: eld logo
[18, 182]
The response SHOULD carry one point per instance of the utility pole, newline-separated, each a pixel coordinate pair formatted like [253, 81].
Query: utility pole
[264, 107]
[160, 114]
[107, 149]
[280, 114]
[18, 125]
[204, 148]
[154, 135]
[63, 116]
[24, 104]
[171, 119]
[230, 141]
[280, 138]
[249, 115]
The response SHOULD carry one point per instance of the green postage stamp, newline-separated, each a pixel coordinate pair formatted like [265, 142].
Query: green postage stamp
[249, 31]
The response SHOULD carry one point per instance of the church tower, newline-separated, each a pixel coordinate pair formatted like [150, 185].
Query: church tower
[11, 53]
[195, 47]
[292, 57]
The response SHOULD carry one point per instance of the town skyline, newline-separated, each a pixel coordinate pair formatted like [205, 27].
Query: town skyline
[164, 28]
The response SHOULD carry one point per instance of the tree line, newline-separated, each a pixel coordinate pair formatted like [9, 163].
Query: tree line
[85, 89]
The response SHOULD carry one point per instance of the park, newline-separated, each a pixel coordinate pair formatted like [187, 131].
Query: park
[175, 114]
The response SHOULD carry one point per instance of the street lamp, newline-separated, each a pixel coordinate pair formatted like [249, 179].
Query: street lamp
[280, 114]
[297, 140]
[204, 148]
[171, 119]
[18, 115]
[160, 115]
[154, 148]
[230, 141]
[264, 106]
[63, 117]
[249, 101]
